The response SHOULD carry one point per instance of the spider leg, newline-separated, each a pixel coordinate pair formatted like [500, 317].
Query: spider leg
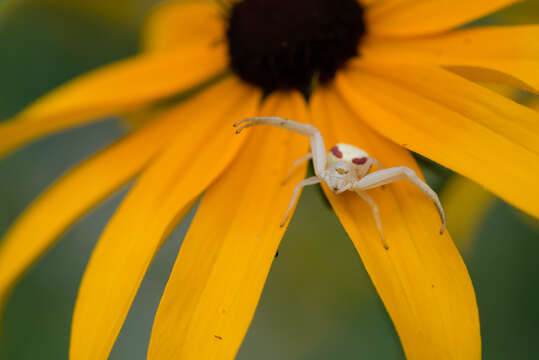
[376, 214]
[377, 163]
[309, 181]
[318, 149]
[386, 176]
[296, 164]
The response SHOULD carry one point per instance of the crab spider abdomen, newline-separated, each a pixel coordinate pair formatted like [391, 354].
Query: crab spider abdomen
[356, 158]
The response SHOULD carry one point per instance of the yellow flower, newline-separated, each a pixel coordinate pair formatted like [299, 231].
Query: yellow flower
[405, 86]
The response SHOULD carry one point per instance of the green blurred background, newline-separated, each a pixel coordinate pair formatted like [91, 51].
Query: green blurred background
[318, 302]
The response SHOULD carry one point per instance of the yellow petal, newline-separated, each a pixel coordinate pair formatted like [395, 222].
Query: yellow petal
[368, 2]
[198, 154]
[75, 193]
[461, 125]
[421, 17]
[179, 23]
[466, 205]
[227, 3]
[218, 277]
[507, 55]
[112, 89]
[421, 279]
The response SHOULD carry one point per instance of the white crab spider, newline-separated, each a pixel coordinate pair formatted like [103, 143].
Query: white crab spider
[345, 167]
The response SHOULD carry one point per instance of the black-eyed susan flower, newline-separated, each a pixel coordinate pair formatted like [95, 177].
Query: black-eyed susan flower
[385, 75]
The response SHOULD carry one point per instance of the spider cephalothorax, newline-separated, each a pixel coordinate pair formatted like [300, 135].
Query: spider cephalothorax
[347, 163]
[344, 167]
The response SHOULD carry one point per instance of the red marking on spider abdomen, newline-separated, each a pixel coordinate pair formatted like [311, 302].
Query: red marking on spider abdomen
[359, 161]
[335, 151]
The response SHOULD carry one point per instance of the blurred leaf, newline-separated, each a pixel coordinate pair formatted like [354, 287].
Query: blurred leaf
[525, 12]
[43, 47]
[5, 7]
[125, 12]
[466, 204]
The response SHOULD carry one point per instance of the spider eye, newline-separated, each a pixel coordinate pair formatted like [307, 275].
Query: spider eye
[342, 171]
[359, 161]
[335, 151]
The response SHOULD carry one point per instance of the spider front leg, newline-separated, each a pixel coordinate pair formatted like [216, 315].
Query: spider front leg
[318, 150]
[386, 176]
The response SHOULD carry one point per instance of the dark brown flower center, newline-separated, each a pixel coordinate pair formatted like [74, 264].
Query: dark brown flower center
[283, 44]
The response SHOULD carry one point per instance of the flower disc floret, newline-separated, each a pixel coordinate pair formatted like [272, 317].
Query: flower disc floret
[280, 44]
